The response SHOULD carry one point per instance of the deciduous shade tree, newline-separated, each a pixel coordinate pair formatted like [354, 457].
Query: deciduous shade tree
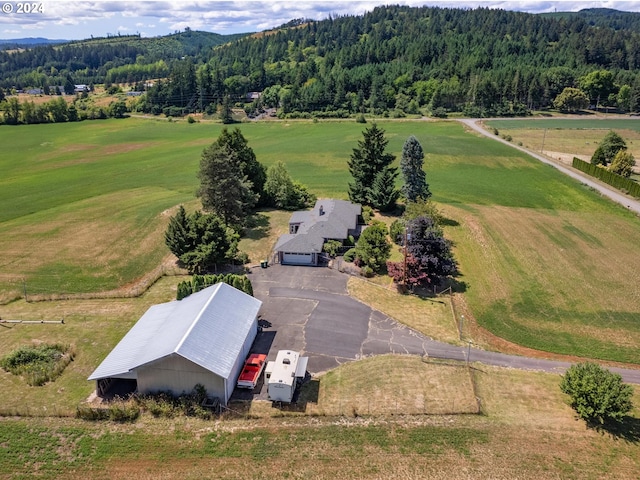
[598, 85]
[622, 164]
[224, 190]
[11, 108]
[367, 160]
[200, 241]
[373, 247]
[597, 394]
[609, 147]
[428, 254]
[571, 100]
[282, 192]
[411, 164]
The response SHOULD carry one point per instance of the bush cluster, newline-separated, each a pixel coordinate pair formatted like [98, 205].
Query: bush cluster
[38, 364]
[160, 405]
[116, 411]
[166, 405]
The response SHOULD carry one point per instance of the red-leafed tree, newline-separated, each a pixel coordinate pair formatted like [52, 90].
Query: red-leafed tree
[415, 273]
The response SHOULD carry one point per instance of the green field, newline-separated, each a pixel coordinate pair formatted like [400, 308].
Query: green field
[546, 262]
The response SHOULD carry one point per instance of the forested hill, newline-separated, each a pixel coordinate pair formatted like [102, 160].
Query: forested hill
[400, 60]
[96, 60]
[486, 61]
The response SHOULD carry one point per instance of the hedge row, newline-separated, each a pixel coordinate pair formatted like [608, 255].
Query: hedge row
[198, 282]
[617, 181]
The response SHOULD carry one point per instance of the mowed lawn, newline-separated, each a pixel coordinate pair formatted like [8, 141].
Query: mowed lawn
[545, 262]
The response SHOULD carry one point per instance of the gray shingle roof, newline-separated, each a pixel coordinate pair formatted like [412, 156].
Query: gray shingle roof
[337, 218]
[207, 328]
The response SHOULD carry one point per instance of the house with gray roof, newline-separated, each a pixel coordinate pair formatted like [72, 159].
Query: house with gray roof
[308, 231]
[201, 339]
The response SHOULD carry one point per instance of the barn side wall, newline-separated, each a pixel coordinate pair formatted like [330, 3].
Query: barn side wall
[178, 375]
[242, 356]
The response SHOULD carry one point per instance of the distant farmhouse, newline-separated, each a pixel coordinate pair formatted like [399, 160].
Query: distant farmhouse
[201, 339]
[308, 231]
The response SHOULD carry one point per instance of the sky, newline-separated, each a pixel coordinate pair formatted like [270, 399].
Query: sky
[75, 20]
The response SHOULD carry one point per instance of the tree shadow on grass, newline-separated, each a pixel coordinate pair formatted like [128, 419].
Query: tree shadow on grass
[449, 222]
[628, 429]
[257, 226]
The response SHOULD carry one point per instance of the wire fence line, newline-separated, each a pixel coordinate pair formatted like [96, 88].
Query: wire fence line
[22, 288]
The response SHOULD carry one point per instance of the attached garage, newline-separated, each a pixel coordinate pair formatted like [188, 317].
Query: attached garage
[201, 339]
[308, 231]
[298, 258]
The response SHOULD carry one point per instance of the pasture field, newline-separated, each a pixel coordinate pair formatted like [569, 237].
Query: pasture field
[545, 262]
[562, 139]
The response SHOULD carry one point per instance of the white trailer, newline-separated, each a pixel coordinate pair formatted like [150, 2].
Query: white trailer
[283, 375]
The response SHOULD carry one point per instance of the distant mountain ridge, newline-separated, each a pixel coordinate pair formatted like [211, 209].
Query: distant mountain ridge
[30, 42]
[603, 17]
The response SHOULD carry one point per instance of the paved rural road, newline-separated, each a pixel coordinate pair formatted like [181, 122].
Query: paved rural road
[308, 309]
[611, 193]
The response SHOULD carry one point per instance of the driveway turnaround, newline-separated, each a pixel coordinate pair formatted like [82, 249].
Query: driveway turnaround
[308, 309]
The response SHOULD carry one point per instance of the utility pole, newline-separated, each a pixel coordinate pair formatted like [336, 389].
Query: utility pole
[404, 268]
[544, 136]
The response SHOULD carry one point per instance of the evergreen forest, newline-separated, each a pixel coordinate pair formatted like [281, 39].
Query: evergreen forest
[393, 60]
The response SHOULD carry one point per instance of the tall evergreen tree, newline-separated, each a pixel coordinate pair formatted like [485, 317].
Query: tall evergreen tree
[224, 190]
[411, 163]
[249, 165]
[225, 110]
[177, 234]
[384, 193]
[210, 243]
[366, 162]
[200, 240]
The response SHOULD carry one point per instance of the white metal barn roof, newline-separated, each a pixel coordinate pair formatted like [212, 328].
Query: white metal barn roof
[207, 328]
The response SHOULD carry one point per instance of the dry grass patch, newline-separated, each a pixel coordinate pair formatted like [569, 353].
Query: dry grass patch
[431, 316]
[579, 142]
[382, 385]
[261, 236]
[390, 384]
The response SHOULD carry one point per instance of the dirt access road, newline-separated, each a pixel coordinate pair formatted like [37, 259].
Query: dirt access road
[604, 189]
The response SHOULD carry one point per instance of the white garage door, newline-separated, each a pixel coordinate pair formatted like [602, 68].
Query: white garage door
[297, 258]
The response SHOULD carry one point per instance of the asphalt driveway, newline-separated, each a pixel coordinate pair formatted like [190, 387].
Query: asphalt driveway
[308, 309]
